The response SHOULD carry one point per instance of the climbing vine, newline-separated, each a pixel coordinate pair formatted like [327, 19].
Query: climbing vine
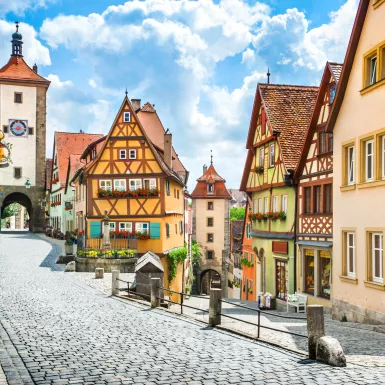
[173, 259]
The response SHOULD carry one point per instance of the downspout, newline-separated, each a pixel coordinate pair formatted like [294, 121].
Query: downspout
[295, 234]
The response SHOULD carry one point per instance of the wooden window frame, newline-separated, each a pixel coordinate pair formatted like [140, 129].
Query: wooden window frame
[21, 172]
[125, 114]
[350, 165]
[212, 254]
[377, 51]
[21, 97]
[121, 152]
[167, 230]
[208, 206]
[212, 236]
[325, 197]
[317, 205]
[31, 131]
[366, 160]
[271, 155]
[305, 211]
[373, 278]
[207, 221]
[377, 3]
[6, 130]
[382, 156]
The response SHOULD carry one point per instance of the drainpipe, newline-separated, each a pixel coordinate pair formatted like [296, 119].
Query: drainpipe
[295, 235]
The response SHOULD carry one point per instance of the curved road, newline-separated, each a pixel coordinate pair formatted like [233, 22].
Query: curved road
[63, 332]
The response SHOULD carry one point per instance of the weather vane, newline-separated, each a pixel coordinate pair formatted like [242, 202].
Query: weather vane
[211, 151]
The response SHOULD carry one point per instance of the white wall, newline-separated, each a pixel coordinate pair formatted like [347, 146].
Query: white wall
[23, 148]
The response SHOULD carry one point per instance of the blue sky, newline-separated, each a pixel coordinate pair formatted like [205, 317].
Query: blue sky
[198, 62]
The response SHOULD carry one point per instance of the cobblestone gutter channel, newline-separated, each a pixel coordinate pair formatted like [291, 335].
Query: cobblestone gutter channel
[64, 332]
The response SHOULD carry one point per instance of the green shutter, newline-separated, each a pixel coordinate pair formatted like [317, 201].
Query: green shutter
[95, 229]
[154, 230]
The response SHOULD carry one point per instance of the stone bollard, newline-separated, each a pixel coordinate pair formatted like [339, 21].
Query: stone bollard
[315, 328]
[99, 272]
[115, 283]
[215, 307]
[155, 292]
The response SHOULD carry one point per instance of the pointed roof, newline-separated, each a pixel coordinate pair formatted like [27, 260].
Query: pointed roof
[17, 70]
[149, 258]
[335, 69]
[348, 63]
[211, 176]
[74, 164]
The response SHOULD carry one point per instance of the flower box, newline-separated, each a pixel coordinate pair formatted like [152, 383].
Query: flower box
[138, 193]
[259, 170]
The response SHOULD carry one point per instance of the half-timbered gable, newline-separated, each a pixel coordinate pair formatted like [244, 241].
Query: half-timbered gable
[280, 117]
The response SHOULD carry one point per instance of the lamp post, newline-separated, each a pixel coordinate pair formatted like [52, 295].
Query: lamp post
[106, 231]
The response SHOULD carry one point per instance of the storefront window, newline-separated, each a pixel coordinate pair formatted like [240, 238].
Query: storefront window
[309, 271]
[281, 279]
[324, 274]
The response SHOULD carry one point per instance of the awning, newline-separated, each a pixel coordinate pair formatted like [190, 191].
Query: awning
[265, 235]
[315, 243]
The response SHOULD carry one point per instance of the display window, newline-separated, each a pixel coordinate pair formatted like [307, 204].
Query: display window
[309, 271]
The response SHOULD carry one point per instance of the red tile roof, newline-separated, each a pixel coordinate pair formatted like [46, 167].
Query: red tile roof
[289, 110]
[336, 69]
[70, 143]
[17, 69]
[211, 176]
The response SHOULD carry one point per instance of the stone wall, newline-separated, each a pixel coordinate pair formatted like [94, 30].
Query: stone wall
[88, 265]
[356, 313]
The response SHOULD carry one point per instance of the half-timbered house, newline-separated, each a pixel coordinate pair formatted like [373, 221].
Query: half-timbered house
[314, 178]
[279, 121]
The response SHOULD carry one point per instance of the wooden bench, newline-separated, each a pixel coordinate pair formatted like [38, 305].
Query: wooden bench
[299, 301]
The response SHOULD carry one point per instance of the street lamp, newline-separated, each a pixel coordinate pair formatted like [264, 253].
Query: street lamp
[27, 184]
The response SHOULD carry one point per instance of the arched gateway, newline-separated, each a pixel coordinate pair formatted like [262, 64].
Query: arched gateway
[23, 135]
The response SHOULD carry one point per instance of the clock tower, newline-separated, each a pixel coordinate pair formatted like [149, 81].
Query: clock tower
[23, 135]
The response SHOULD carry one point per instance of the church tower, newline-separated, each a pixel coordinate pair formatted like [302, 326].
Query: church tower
[22, 135]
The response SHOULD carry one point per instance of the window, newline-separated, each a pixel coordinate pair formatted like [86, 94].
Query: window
[322, 142]
[125, 226]
[142, 227]
[135, 184]
[126, 117]
[174, 193]
[330, 142]
[309, 271]
[372, 70]
[18, 98]
[210, 205]
[177, 194]
[272, 155]
[324, 275]
[17, 172]
[266, 205]
[132, 154]
[377, 257]
[167, 230]
[263, 122]
[30, 130]
[369, 160]
[255, 202]
[181, 227]
[350, 254]
[112, 226]
[149, 183]
[383, 156]
[122, 154]
[210, 237]
[168, 187]
[307, 200]
[5, 130]
[262, 156]
[328, 203]
[260, 208]
[120, 185]
[248, 230]
[210, 222]
[210, 254]
[246, 255]
[317, 199]
[284, 203]
[275, 204]
[332, 92]
[210, 188]
[350, 151]
[105, 185]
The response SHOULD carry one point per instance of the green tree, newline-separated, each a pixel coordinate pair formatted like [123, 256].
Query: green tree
[196, 253]
[237, 213]
[10, 210]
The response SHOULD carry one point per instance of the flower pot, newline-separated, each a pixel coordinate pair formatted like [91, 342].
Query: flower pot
[69, 249]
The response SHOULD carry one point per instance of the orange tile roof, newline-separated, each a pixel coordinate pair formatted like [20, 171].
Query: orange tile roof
[211, 176]
[70, 143]
[289, 110]
[336, 69]
[18, 69]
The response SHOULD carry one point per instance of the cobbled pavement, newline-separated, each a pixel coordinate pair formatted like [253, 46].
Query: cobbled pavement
[65, 332]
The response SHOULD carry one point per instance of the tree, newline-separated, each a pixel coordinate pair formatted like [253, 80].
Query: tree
[10, 210]
[237, 213]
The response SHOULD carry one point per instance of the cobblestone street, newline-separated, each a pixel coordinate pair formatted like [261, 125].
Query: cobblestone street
[63, 331]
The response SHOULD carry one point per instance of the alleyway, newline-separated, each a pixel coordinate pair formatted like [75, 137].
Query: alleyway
[65, 332]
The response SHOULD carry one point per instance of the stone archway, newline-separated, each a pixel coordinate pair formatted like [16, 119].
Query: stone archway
[22, 199]
[209, 278]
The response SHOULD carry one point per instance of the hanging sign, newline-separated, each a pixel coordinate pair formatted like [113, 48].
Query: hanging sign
[18, 128]
[5, 152]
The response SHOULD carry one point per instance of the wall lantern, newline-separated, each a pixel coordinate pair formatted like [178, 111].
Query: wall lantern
[27, 184]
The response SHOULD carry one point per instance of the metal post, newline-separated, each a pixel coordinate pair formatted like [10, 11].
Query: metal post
[181, 303]
[259, 323]
[215, 307]
[115, 283]
[315, 327]
[155, 292]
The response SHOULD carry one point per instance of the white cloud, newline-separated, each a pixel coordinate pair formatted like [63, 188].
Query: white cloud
[20, 6]
[248, 57]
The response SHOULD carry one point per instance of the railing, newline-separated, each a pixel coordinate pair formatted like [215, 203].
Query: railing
[129, 291]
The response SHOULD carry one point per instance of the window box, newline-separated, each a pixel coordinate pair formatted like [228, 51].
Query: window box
[259, 170]
[138, 193]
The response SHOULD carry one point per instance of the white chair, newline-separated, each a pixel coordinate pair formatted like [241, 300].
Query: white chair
[299, 301]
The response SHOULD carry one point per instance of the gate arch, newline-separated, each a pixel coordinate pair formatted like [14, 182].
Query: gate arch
[22, 199]
[209, 278]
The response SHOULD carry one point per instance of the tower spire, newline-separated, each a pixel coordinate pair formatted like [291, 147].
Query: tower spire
[17, 42]
[126, 92]
[211, 151]
[268, 75]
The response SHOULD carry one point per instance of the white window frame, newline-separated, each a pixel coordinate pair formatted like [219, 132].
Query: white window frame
[125, 226]
[105, 182]
[383, 157]
[126, 117]
[284, 203]
[151, 183]
[210, 188]
[380, 278]
[132, 154]
[266, 204]
[262, 157]
[120, 185]
[275, 204]
[112, 226]
[351, 156]
[140, 226]
[122, 154]
[351, 270]
[137, 183]
[272, 154]
[260, 205]
[367, 155]
[373, 70]
[255, 206]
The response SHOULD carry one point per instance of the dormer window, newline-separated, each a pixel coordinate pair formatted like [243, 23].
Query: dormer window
[126, 117]
[210, 188]
[332, 92]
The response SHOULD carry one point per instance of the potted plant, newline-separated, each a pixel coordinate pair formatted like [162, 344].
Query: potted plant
[282, 216]
[69, 247]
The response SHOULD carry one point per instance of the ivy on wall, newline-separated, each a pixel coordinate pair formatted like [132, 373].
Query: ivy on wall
[173, 259]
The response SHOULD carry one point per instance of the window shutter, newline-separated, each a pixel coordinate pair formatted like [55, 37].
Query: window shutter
[95, 229]
[154, 230]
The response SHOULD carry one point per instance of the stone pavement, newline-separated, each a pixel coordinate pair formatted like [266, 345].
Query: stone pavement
[65, 332]
[3, 380]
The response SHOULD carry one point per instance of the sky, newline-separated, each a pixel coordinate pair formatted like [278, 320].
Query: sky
[198, 61]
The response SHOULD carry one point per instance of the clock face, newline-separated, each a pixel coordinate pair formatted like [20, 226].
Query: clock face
[18, 128]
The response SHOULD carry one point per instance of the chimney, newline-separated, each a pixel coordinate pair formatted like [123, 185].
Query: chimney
[135, 104]
[168, 149]
[204, 169]
[35, 67]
